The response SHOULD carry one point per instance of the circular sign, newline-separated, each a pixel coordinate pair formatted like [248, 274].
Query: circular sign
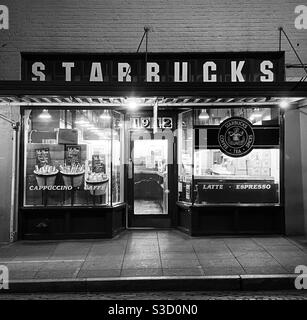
[236, 137]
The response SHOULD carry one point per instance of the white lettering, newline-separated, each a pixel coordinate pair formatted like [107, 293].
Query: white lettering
[4, 17]
[236, 71]
[207, 68]
[301, 20]
[183, 71]
[68, 66]
[265, 67]
[37, 68]
[300, 281]
[124, 72]
[4, 277]
[152, 72]
[96, 72]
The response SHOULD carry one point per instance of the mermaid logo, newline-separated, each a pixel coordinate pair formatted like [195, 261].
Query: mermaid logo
[236, 137]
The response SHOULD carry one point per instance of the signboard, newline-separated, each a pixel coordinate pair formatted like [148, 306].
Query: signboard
[42, 157]
[72, 155]
[98, 163]
[236, 137]
[159, 67]
[68, 136]
[237, 192]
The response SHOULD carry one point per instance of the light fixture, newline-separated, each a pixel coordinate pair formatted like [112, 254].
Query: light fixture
[45, 115]
[284, 104]
[132, 103]
[203, 115]
[105, 115]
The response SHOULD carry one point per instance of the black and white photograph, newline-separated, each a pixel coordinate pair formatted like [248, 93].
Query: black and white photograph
[153, 153]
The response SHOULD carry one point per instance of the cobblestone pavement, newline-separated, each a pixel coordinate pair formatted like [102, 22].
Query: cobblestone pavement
[153, 253]
[234, 295]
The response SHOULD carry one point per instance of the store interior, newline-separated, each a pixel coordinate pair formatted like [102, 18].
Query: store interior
[81, 156]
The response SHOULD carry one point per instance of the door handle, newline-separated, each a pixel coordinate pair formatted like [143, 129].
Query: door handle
[130, 169]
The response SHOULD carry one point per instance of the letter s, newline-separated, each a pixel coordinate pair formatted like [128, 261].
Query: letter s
[37, 68]
[155, 309]
[266, 69]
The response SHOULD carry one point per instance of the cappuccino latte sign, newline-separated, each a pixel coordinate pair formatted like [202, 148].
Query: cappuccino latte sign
[236, 137]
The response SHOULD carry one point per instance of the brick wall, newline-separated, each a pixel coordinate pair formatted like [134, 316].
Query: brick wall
[117, 25]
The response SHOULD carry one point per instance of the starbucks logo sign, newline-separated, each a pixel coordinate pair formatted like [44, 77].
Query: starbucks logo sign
[236, 137]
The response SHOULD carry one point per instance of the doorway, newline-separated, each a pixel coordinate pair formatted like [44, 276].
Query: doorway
[150, 178]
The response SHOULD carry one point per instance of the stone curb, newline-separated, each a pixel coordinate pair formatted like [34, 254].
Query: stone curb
[188, 283]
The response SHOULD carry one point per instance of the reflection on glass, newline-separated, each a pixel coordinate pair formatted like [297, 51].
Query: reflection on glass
[185, 156]
[257, 116]
[253, 178]
[150, 177]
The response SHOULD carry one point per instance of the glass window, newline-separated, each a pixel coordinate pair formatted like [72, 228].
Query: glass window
[253, 178]
[118, 158]
[185, 156]
[222, 179]
[68, 157]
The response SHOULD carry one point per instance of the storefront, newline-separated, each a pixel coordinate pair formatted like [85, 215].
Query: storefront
[190, 141]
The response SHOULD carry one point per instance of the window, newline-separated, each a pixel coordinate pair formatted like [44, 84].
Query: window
[222, 179]
[185, 156]
[68, 157]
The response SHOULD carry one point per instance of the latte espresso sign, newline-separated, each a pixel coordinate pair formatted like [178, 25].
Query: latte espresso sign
[236, 137]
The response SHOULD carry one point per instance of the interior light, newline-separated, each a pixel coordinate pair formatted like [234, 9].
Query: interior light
[105, 115]
[284, 104]
[203, 115]
[45, 115]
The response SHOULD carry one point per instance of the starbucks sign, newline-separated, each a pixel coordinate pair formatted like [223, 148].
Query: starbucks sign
[236, 137]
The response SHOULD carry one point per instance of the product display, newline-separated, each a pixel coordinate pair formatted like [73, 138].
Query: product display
[72, 175]
[46, 175]
[75, 172]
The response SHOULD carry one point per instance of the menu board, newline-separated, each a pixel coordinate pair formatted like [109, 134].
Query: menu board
[68, 136]
[72, 155]
[42, 156]
[98, 163]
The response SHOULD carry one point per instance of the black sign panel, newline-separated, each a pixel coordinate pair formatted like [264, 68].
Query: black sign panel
[265, 137]
[159, 67]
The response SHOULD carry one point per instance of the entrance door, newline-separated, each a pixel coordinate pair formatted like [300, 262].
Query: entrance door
[149, 176]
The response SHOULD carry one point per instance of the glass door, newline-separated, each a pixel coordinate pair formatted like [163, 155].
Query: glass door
[149, 180]
[150, 177]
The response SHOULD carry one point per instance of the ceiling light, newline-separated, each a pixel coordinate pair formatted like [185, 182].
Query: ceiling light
[203, 115]
[45, 115]
[132, 103]
[284, 104]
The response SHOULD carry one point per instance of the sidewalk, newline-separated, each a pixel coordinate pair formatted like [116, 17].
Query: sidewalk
[154, 255]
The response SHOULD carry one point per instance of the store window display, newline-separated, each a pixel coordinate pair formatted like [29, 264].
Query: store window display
[67, 157]
[220, 178]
